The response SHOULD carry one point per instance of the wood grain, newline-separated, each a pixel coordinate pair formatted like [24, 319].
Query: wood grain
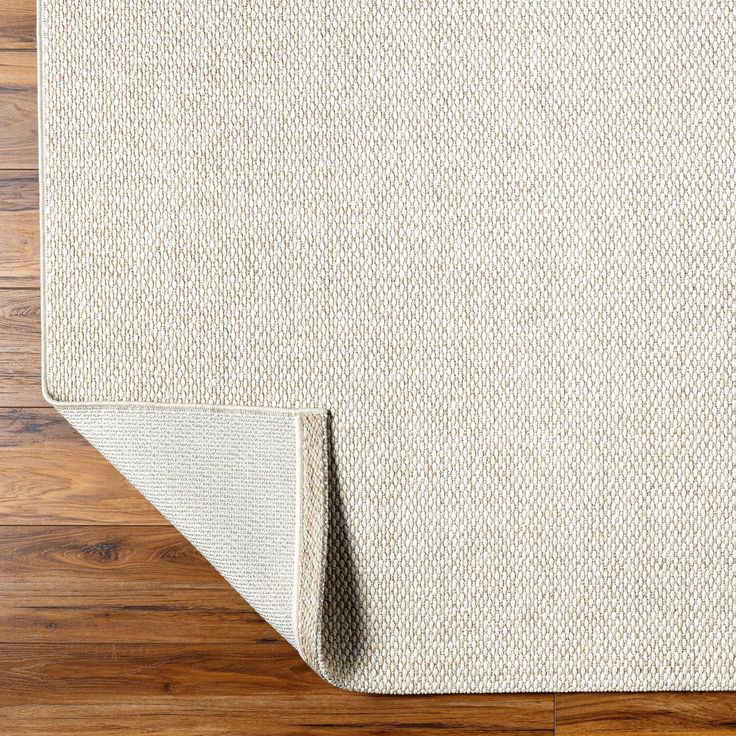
[125, 672]
[100, 559]
[116, 585]
[283, 715]
[18, 123]
[39, 621]
[50, 475]
[17, 24]
[20, 321]
[272, 692]
[19, 229]
[647, 714]
[20, 348]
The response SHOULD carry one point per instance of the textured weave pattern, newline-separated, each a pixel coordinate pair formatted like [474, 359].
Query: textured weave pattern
[496, 240]
[225, 479]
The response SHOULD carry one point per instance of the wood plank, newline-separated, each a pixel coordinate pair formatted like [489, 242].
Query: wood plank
[18, 116]
[101, 561]
[19, 229]
[50, 475]
[647, 714]
[19, 380]
[18, 24]
[20, 321]
[270, 695]
[20, 348]
[81, 673]
[283, 716]
[166, 597]
[152, 623]
[116, 585]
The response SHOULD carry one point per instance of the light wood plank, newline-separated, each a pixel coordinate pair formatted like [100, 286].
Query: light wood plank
[647, 714]
[19, 380]
[19, 229]
[20, 348]
[18, 117]
[50, 475]
[18, 24]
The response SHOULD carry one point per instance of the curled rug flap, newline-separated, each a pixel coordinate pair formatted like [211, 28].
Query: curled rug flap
[248, 488]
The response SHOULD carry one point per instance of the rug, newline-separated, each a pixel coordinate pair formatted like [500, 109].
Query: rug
[418, 319]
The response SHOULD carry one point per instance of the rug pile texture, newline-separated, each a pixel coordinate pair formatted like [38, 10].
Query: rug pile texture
[417, 318]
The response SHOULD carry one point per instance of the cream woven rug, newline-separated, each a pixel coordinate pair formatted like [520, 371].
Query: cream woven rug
[417, 318]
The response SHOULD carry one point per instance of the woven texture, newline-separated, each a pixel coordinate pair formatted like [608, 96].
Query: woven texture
[494, 240]
[225, 479]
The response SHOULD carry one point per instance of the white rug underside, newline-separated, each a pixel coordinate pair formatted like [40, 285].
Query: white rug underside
[227, 480]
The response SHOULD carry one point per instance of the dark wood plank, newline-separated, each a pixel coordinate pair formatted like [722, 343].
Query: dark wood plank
[220, 597]
[272, 694]
[18, 115]
[18, 24]
[647, 714]
[19, 229]
[20, 348]
[50, 475]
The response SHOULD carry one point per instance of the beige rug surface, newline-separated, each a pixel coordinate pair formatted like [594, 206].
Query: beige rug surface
[417, 318]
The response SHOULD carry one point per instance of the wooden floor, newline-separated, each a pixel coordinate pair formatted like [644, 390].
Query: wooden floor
[111, 623]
